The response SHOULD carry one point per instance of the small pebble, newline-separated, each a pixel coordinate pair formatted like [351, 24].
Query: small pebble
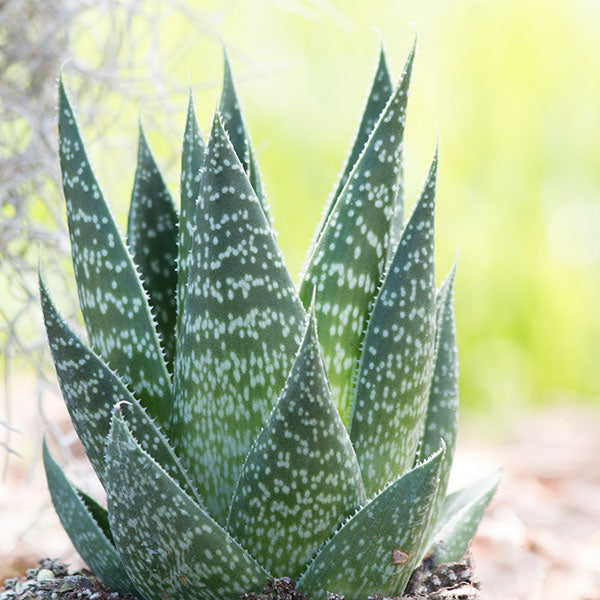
[45, 575]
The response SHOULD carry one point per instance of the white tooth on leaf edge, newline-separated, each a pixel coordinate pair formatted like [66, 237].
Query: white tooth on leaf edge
[235, 126]
[113, 302]
[361, 558]
[394, 373]
[192, 158]
[349, 259]
[152, 241]
[170, 547]
[441, 419]
[301, 478]
[378, 96]
[91, 390]
[242, 325]
[460, 516]
[86, 534]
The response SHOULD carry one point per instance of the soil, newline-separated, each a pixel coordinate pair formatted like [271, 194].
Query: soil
[447, 582]
[51, 580]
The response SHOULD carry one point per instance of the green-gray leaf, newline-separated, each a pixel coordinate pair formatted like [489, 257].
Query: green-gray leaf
[376, 550]
[235, 126]
[301, 478]
[379, 94]
[460, 516]
[441, 420]
[390, 397]
[88, 537]
[398, 218]
[113, 302]
[152, 240]
[169, 545]
[98, 512]
[192, 158]
[242, 325]
[91, 389]
[256, 181]
[348, 262]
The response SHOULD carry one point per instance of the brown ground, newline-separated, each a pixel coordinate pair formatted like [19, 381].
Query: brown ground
[540, 538]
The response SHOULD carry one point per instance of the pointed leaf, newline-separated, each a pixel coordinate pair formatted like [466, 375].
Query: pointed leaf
[152, 240]
[192, 158]
[90, 390]
[86, 534]
[256, 181]
[376, 550]
[231, 113]
[379, 94]
[113, 302]
[242, 325]
[460, 517]
[349, 259]
[98, 512]
[441, 420]
[235, 126]
[301, 478]
[169, 545]
[397, 226]
[390, 397]
[398, 219]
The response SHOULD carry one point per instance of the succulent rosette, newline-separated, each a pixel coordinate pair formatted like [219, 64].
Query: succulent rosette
[244, 428]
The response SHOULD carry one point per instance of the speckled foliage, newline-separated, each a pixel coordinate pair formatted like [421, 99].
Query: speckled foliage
[243, 428]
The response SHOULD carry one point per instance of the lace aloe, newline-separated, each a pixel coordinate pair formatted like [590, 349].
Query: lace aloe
[243, 428]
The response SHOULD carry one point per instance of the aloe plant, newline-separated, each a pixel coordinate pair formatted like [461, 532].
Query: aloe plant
[243, 428]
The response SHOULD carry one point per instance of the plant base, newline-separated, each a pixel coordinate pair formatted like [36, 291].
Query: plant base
[51, 580]
[447, 582]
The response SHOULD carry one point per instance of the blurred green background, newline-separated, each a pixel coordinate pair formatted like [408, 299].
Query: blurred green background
[511, 86]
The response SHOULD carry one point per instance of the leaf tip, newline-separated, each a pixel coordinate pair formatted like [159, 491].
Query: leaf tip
[227, 75]
[117, 406]
[45, 451]
[379, 34]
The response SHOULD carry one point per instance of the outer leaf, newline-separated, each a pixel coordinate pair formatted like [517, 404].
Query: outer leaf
[87, 535]
[349, 259]
[460, 517]
[256, 181]
[113, 302]
[397, 226]
[235, 126]
[301, 477]
[90, 390]
[242, 325]
[398, 218]
[152, 240]
[441, 420]
[394, 373]
[379, 94]
[169, 545]
[358, 561]
[98, 512]
[192, 159]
